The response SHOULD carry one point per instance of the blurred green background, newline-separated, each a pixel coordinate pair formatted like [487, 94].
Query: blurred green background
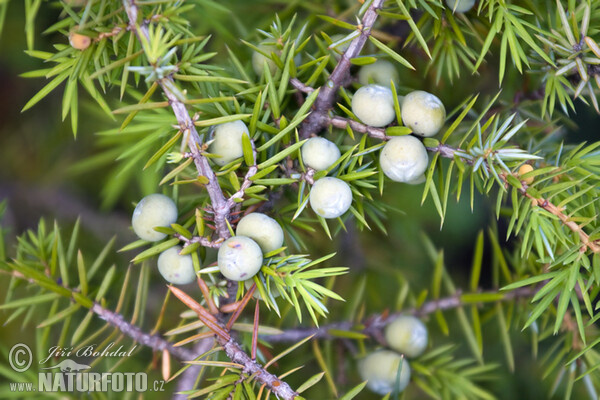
[38, 152]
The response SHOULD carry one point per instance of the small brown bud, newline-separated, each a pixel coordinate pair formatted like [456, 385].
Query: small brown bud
[79, 41]
[525, 168]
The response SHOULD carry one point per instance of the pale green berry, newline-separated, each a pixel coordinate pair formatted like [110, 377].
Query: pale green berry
[374, 105]
[258, 59]
[175, 268]
[151, 212]
[423, 112]
[227, 142]
[381, 72]
[417, 181]
[460, 6]
[403, 159]
[380, 369]
[330, 197]
[239, 258]
[319, 153]
[263, 229]
[407, 335]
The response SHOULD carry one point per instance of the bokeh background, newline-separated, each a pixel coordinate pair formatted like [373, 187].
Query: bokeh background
[46, 173]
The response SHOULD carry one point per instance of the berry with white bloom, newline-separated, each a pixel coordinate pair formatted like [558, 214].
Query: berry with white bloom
[374, 105]
[460, 6]
[239, 258]
[227, 142]
[404, 159]
[153, 211]
[423, 112]
[380, 369]
[330, 197]
[176, 268]
[261, 228]
[381, 72]
[259, 59]
[319, 153]
[407, 335]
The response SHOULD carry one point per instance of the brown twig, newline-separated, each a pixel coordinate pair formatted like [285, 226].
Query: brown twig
[155, 342]
[201, 240]
[447, 151]
[593, 245]
[296, 83]
[186, 124]
[342, 123]
[233, 350]
[318, 119]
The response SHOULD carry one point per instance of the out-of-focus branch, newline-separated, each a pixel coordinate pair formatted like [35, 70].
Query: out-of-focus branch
[373, 325]
[189, 376]
[317, 119]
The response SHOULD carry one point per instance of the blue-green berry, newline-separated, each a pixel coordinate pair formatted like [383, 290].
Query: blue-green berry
[155, 210]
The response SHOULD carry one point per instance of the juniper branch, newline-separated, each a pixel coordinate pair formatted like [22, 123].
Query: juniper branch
[297, 84]
[233, 350]
[317, 119]
[447, 151]
[593, 245]
[201, 240]
[219, 203]
[155, 342]
[342, 123]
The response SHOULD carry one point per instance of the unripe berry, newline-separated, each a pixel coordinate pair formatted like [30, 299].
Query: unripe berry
[258, 59]
[227, 142]
[153, 211]
[319, 153]
[261, 228]
[79, 41]
[374, 105]
[404, 159]
[330, 197]
[381, 72]
[525, 168]
[239, 258]
[460, 6]
[418, 180]
[407, 335]
[423, 112]
[176, 268]
[380, 369]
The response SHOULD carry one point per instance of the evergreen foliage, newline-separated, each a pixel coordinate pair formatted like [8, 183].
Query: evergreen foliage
[165, 72]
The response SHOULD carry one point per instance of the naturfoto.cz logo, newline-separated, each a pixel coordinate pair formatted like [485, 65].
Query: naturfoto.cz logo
[71, 376]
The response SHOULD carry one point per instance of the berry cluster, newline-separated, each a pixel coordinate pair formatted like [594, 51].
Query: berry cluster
[239, 257]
